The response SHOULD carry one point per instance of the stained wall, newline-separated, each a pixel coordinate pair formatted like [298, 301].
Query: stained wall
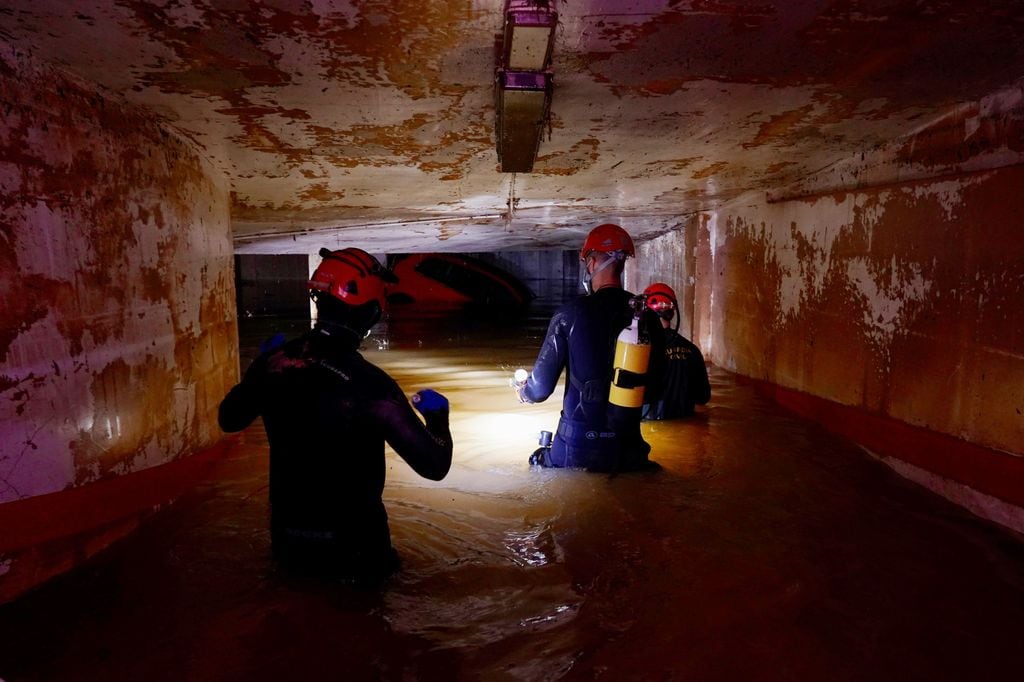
[886, 295]
[671, 259]
[117, 332]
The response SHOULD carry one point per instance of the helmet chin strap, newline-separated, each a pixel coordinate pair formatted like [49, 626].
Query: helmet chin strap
[588, 276]
[336, 318]
[330, 328]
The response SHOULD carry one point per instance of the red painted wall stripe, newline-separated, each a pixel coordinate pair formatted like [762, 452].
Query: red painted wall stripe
[35, 520]
[992, 472]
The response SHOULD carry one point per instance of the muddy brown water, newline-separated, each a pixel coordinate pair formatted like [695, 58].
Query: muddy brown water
[766, 549]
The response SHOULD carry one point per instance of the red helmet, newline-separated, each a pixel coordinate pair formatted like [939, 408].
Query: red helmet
[660, 296]
[608, 238]
[350, 275]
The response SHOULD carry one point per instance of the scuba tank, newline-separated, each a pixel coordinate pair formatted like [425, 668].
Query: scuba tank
[632, 355]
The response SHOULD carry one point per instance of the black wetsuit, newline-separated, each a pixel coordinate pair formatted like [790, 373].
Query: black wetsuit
[581, 337]
[327, 413]
[683, 383]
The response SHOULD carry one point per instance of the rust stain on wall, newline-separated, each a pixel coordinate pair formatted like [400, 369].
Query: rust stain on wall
[107, 234]
[710, 171]
[321, 192]
[779, 167]
[966, 133]
[668, 167]
[26, 298]
[231, 53]
[446, 232]
[128, 412]
[662, 86]
[902, 300]
[779, 127]
[583, 154]
[259, 83]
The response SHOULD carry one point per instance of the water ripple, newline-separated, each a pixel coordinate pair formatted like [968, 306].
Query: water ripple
[534, 547]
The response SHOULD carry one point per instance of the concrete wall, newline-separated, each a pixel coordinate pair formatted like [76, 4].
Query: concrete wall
[903, 300]
[671, 259]
[893, 285]
[552, 275]
[117, 332]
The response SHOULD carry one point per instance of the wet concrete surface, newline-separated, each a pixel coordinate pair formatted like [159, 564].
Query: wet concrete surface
[765, 549]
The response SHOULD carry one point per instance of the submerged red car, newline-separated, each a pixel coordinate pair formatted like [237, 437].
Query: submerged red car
[453, 279]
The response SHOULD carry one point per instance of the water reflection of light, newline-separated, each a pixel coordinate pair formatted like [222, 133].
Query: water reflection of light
[494, 434]
[491, 443]
[547, 618]
[506, 424]
[534, 547]
[489, 426]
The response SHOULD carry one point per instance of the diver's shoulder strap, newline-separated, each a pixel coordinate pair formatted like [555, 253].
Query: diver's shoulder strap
[592, 391]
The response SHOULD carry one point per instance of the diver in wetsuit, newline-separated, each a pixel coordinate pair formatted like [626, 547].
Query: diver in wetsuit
[327, 413]
[684, 381]
[592, 433]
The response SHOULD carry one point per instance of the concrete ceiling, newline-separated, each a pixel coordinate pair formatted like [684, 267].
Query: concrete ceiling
[371, 122]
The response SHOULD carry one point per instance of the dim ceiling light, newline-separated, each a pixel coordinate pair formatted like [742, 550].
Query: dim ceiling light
[529, 34]
[523, 101]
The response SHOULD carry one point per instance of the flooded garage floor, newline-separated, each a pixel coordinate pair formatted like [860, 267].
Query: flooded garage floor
[766, 549]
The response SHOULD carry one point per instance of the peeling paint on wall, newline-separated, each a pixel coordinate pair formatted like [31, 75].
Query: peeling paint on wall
[886, 299]
[903, 300]
[318, 111]
[896, 306]
[116, 286]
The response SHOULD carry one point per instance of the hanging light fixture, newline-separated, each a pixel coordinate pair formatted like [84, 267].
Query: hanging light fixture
[524, 82]
[529, 34]
[524, 98]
